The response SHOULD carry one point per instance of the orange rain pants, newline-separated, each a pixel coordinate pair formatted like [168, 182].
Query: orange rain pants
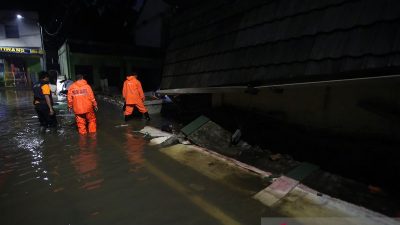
[129, 108]
[83, 119]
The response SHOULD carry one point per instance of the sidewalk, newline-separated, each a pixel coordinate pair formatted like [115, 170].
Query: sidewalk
[284, 194]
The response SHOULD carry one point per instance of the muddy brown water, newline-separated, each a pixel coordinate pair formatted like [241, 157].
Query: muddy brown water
[56, 176]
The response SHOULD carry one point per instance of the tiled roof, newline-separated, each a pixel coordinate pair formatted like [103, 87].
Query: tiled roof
[223, 42]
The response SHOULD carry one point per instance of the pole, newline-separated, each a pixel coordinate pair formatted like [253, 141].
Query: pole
[44, 66]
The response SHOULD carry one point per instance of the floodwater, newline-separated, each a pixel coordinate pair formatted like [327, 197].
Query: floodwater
[56, 176]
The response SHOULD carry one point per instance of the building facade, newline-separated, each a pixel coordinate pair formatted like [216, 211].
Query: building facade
[21, 48]
[111, 62]
[150, 28]
[293, 52]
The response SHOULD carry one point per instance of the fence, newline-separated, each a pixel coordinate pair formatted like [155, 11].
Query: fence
[17, 79]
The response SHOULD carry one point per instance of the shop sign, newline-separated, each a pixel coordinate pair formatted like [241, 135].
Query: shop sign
[29, 51]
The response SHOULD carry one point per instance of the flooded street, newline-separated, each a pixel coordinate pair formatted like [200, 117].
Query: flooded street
[56, 176]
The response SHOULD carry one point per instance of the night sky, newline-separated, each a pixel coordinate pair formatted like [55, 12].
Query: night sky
[95, 20]
[90, 20]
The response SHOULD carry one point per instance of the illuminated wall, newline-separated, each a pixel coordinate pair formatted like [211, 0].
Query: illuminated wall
[28, 28]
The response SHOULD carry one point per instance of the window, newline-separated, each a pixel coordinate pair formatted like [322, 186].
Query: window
[12, 31]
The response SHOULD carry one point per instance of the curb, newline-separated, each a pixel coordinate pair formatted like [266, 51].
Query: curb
[285, 190]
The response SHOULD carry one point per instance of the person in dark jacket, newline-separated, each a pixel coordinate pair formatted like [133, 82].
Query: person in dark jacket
[43, 101]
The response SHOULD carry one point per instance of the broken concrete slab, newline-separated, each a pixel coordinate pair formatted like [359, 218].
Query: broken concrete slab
[158, 136]
[158, 140]
[154, 132]
[212, 136]
[173, 140]
[208, 134]
[194, 125]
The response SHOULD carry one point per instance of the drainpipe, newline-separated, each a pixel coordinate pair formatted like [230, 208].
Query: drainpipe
[44, 66]
[69, 75]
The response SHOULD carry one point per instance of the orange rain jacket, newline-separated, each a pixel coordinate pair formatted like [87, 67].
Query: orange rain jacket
[81, 98]
[132, 91]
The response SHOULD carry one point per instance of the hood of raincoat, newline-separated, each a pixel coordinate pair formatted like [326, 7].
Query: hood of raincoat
[130, 77]
[81, 83]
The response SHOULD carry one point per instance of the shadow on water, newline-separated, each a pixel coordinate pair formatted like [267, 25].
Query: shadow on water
[56, 176]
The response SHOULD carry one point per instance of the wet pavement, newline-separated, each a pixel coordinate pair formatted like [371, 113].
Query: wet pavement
[56, 176]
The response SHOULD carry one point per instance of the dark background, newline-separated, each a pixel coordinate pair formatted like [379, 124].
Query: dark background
[94, 20]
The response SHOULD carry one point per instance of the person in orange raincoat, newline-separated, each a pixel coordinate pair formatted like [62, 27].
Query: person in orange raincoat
[134, 97]
[81, 100]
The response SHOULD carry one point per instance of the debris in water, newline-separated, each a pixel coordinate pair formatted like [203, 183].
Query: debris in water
[58, 190]
[374, 189]
[236, 137]
[66, 115]
[158, 140]
[185, 142]
[275, 157]
[94, 213]
[167, 128]
[121, 125]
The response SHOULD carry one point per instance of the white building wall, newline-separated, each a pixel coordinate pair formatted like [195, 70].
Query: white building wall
[2, 32]
[28, 27]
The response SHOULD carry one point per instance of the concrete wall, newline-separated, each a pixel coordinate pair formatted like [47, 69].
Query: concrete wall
[29, 30]
[63, 61]
[363, 108]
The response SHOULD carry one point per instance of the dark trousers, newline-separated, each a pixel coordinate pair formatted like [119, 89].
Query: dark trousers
[45, 119]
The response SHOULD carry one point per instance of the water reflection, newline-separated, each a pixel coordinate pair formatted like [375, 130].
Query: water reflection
[134, 150]
[14, 97]
[86, 163]
[5, 169]
[56, 176]
[31, 146]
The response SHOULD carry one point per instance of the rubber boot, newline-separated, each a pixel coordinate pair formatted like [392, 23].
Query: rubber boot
[146, 115]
